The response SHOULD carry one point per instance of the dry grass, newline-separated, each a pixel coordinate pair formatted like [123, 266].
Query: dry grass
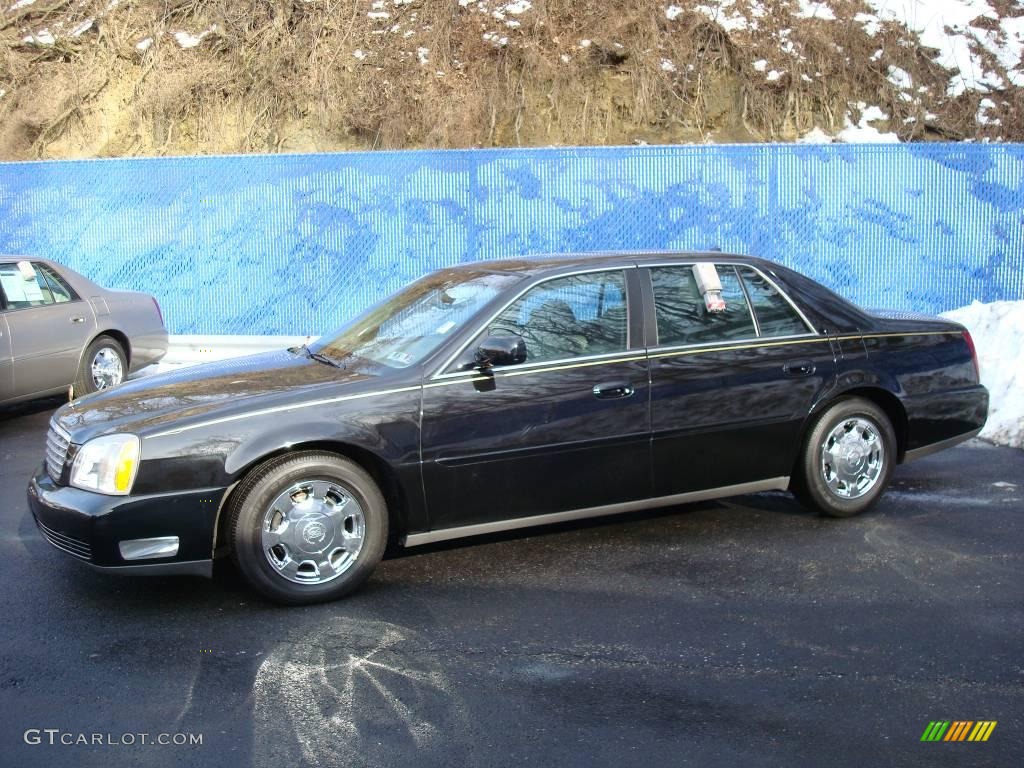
[281, 75]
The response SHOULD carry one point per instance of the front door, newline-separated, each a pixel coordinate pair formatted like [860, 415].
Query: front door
[731, 385]
[566, 430]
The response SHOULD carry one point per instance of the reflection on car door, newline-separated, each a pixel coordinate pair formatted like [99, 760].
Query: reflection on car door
[730, 386]
[48, 326]
[567, 429]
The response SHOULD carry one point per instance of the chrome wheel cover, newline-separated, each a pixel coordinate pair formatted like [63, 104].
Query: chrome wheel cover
[852, 457]
[313, 532]
[107, 370]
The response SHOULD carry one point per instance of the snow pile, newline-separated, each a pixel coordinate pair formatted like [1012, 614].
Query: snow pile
[998, 333]
[955, 28]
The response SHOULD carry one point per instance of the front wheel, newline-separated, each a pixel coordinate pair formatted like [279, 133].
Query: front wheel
[307, 527]
[847, 459]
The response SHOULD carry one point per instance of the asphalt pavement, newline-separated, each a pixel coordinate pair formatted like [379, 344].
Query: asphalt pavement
[733, 633]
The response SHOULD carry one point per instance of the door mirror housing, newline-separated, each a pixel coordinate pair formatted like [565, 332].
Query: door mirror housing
[501, 350]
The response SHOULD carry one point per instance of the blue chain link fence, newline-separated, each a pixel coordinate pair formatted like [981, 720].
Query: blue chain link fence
[296, 244]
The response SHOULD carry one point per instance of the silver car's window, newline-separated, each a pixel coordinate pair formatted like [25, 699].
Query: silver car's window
[775, 315]
[59, 289]
[569, 316]
[22, 292]
[683, 314]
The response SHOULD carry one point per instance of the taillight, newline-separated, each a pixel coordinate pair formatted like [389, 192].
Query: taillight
[974, 354]
[160, 314]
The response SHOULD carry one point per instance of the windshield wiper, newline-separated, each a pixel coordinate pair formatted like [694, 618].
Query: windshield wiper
[320, 357]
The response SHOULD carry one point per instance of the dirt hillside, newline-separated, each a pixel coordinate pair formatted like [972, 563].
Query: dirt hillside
[152, 77]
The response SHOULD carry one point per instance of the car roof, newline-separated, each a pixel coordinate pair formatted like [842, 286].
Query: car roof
[559, 262]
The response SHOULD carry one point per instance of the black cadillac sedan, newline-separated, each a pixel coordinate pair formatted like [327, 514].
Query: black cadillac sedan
[500, 395]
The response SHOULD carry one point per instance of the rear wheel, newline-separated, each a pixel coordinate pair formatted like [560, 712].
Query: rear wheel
[307, 527]
[847, 459]
[104, 365]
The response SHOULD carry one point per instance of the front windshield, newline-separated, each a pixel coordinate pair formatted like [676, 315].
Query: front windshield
[408, 326]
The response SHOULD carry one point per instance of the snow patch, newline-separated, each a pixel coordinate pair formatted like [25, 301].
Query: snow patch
[900, 78]
[725, 15]
[42, 37]
[998, 332]
[947, 26]
[815, 136]
[20, 4]
[667, 65]
[144, 44]
[982, 117]
[672, 13]
[815, 10]
[864, 133]
[188, 40]
[80, 29]
[515, 8]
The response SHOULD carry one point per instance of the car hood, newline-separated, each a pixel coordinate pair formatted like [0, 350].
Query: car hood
[211, 390]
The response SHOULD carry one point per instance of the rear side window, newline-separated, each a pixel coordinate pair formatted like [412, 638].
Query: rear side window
[569, 317]
[682, 313]
[775, 315]
[59, 288]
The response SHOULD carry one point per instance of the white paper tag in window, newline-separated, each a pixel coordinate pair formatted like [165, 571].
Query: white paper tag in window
[710, 286]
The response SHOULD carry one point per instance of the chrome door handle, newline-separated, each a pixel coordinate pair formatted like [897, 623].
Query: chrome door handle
[77, 319]
[799, 368]
[612, 390]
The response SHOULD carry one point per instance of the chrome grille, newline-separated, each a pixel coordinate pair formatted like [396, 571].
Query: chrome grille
[65, 543]
[57, 443]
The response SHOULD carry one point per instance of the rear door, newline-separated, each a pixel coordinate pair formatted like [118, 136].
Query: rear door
[730, 385]
[48, 324]
[567, 430]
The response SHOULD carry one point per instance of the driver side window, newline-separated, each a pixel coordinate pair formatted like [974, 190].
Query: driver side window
[569, 317]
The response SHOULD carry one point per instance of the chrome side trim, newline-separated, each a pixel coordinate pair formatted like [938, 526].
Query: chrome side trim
[181, 568]
[748, 343]
[429, 537]
[928, 450]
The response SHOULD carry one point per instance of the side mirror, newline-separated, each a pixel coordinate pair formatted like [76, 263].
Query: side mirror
[501, 350]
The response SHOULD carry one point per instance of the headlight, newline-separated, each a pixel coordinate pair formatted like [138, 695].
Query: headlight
[107, 464]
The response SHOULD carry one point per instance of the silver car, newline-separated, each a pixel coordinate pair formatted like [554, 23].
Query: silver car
[59, 329]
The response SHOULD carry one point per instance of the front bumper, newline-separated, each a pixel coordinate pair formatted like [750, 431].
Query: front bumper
[90, 526]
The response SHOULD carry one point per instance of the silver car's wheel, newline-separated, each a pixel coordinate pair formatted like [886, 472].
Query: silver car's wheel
[106, 368]
[852, 457]
[313, 532]
[104, 365]
[307, 527]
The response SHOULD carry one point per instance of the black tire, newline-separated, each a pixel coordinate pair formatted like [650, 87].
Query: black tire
[856, 417]
[86, 383]
[265, 486]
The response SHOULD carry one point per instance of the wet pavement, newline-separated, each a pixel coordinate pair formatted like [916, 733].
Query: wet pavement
[741, 632]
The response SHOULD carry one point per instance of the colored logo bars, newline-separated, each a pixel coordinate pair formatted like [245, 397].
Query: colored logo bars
[958, 730]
